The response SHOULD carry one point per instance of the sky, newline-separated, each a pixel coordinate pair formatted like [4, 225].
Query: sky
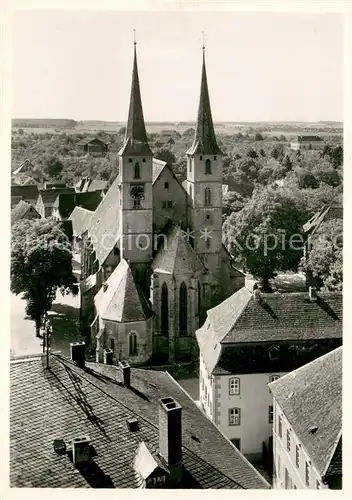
[260, 66]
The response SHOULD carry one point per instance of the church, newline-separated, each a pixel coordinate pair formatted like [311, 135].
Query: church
[152, 257]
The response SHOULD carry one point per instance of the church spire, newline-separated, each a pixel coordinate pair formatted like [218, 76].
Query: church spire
[136, 141]
[204, 140]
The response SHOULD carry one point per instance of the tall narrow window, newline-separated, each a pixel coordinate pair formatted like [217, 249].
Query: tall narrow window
[207, 197]
[307, 474]
[280, 426]
[288, 440]
[183, 309]
[297, 456]
[133, 344]
[199, 294]
[164, 310]
[208, 166]
[271, 414]
[137, 171]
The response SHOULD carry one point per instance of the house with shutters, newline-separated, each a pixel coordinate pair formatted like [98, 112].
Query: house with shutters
[307, 425]
[164, 237]
[252, 339]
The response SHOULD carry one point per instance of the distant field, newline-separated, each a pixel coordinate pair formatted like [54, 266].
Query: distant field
[288, 129]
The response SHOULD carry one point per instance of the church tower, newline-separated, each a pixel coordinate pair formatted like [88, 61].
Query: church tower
[135, 183]
[204, 185]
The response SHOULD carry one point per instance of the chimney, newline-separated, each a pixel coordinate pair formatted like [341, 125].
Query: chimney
[108, 356]
[78, 352]
[126, 373]
[312, 294]
[170, 437]
[80, 450]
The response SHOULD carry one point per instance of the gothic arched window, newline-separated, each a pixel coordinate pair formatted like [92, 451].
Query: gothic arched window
[137, 171]
[133, 348]
[208, 166]
[207, 197]
[164, 310]
[183, 309]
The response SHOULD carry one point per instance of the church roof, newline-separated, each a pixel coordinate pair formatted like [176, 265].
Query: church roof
[176, 256]
[119, 299]
[66, 202]
[136, 142]
[204, 141]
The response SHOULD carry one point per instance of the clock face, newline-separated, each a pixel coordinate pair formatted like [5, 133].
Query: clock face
[137, 192]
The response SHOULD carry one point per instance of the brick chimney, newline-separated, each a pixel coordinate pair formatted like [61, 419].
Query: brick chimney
[126, 373]
[312, 294]
[80, 450]
[170, 437]
[108, 355]
[78, 352]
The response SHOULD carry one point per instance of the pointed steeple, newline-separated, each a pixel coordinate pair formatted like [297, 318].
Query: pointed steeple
[204, 140]
[136, 141]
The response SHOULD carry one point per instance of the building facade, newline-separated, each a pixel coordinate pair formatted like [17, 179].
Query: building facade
[307, 142]
[250, 340]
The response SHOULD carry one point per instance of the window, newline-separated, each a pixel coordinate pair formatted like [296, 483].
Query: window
[234, 386]
[318, 485]
[112, 344]
[201, 157]
[169, 204]
[136, 203]
[234, 416]
[280, 426]
[214, 158]
[137, 171]
[207, 196]
[143, 160]
[133, 344]
[164, 310]
[207, 243]
[274, 352]
[190, 165]
[206, 392]
[307, 474]
[288, 440]
[208, 166]
[271, 414]
[236, 442]
[294, 487]
[183, 309]
[297, 456]
[130, 160]
[166, 185]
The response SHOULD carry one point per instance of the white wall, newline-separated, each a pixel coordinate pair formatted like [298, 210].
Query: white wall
[284, 459]
[254, 401]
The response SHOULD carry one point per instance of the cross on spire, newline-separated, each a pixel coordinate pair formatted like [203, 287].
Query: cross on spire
[134, 37]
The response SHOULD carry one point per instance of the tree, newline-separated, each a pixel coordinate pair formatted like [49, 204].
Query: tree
[165, 155]
[252, 153]
[324, 260]
[264, 235]
[41, 263]
[20, 131]
[288, 163]
[258, 137]
[54, 168]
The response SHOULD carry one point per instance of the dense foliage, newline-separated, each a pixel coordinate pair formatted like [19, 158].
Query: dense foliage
[41, 263]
